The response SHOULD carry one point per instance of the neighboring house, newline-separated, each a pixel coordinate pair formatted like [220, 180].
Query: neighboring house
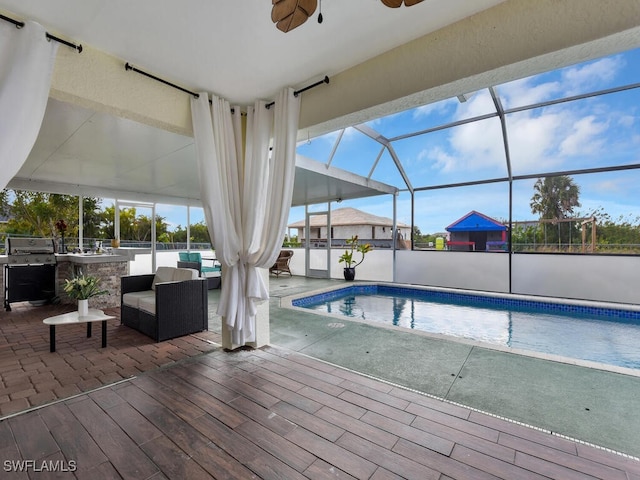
[477, 232]
[347, 222]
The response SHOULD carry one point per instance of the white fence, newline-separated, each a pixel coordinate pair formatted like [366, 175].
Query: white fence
[587, 277]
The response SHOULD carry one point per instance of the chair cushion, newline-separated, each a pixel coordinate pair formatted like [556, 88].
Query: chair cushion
[132, 299]
[210, 269]
[148, 304]
[163, 274]
[183, 256]
[195, 257]
[180, 274]
[211, 273]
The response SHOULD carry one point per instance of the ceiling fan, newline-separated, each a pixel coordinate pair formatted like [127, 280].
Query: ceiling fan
[289, 14]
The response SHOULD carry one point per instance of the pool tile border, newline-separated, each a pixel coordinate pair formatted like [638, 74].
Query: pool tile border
[515, 302]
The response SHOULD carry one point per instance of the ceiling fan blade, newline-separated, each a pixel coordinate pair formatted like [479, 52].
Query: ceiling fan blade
[289, 14]
[398, 3]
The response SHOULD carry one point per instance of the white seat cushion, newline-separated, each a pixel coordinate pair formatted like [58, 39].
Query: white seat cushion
[148, 304]
[180, 274]
[132, 299]
[146, 300]
[163, 274]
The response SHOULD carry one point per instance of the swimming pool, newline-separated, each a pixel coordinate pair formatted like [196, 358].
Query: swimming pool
[580, 331]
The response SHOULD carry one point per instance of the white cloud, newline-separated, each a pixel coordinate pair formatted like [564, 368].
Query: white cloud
[572, 81]
[607, 186]
[626, 121]
[480, 103]
[583, 139]
[525, 92]
[479, 145]
[441, 159]
[592, 75]
[440, 108]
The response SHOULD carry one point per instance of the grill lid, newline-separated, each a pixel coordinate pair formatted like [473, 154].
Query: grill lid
[30, 251]
[24, 246]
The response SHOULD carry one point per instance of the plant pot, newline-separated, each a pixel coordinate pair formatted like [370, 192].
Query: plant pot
[83, 308]
[349, 273]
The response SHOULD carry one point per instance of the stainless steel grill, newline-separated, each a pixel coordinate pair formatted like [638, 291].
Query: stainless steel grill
[30, 272]
[30, 251]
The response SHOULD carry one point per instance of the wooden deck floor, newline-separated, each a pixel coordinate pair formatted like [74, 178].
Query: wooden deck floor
[274, 414]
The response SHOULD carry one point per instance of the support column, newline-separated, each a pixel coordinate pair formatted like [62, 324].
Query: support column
[263, 330]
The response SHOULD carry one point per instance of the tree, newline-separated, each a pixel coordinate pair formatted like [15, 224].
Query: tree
[36, 213]
[92, 218]
[199, 233]
[555, 197]
[132, 226]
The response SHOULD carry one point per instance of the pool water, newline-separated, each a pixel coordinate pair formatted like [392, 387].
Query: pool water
[589, 333]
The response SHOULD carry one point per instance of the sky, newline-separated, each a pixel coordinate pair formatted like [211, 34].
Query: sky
[590, 133]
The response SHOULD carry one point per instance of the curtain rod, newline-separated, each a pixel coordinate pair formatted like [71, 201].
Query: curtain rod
[304, 89]
[48, 35]
[128, 66]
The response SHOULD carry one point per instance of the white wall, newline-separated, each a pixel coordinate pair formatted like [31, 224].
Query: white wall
[586, 277]
[606, 278]
[377, 266]
[469, 270]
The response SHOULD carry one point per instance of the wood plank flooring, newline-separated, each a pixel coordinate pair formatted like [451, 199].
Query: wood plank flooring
[275, 414]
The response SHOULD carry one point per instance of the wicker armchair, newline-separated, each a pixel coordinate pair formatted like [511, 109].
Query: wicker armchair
[179, 307]
[282, 263]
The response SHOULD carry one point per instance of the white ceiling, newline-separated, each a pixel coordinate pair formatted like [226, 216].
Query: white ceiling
[230, 48]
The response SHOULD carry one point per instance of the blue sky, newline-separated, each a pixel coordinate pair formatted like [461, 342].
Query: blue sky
[590, 133]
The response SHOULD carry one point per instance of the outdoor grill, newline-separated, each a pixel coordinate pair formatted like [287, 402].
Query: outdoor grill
[30, 272]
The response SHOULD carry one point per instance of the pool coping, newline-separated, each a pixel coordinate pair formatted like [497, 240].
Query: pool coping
[287, 302]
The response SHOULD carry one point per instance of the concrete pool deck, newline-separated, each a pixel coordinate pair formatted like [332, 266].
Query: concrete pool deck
[581, 402]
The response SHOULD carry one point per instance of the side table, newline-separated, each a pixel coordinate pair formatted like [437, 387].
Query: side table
[94, 315]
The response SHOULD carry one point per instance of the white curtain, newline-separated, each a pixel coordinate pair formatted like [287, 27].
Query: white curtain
[246, 195]
[26, 64]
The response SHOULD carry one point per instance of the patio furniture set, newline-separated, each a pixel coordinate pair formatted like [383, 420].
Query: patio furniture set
[171, 303]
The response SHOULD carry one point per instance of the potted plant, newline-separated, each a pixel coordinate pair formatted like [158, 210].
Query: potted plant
[82, 289]
[347, 256]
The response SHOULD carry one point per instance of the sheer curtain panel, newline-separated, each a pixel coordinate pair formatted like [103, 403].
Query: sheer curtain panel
[246, 195]
[26, 64]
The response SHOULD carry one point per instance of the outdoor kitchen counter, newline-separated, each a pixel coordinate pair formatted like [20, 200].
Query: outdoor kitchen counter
[88, 258]
[108, 268]
[82, 258]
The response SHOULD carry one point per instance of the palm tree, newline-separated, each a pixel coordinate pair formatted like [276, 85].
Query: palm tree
[555, 197]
